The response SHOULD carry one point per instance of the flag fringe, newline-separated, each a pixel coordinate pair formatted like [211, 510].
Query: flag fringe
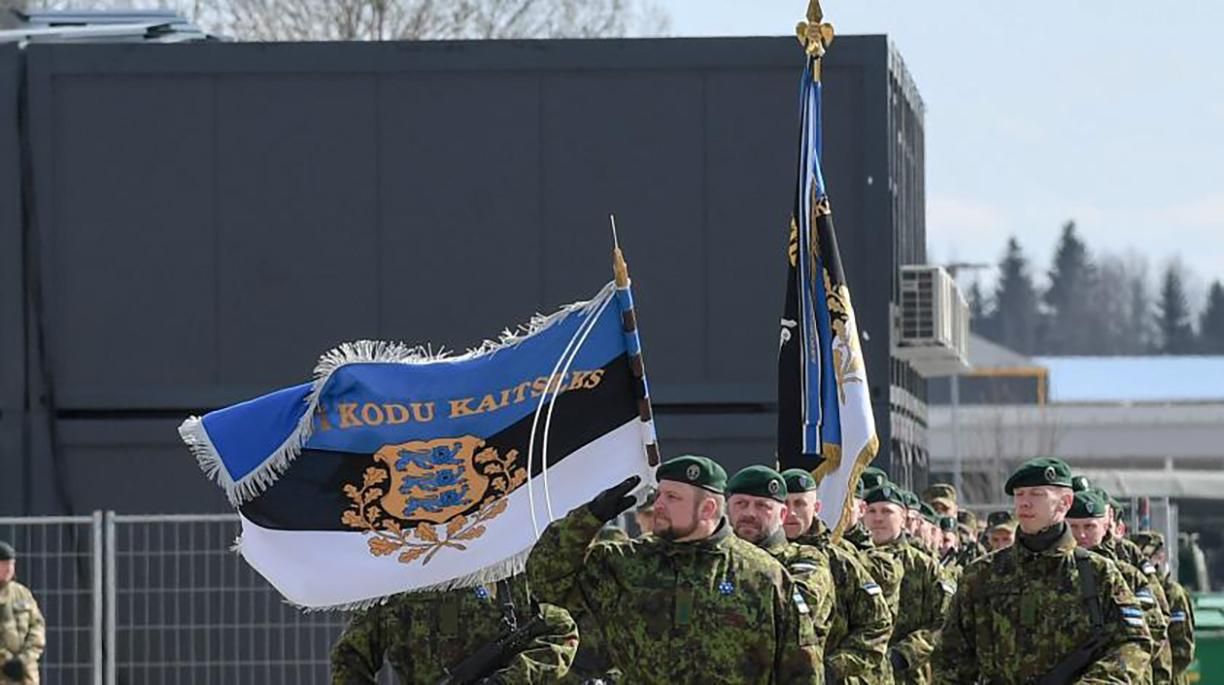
[506, 568]
[194, 434]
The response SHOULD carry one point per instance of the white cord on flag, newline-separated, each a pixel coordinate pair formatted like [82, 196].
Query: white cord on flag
[577, 339]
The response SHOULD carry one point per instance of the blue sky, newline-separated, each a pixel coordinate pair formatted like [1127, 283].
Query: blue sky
[1111, 113]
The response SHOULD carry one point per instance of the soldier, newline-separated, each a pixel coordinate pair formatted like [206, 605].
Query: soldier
[949, 543]
[942, 498]
[1181, 609]
[424, 634]
[23, 633]
[931, 535]
[1089, 525]
[924, 594]
[689, 603]
[756, 507]
[862, 617]
[1022, 612]
[1000, 530]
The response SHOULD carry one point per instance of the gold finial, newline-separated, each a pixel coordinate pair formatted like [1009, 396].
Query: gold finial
[814, 34]
[619, 268]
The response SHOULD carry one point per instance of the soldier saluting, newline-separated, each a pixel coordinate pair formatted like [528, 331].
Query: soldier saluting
[1042, 610]
[691, 603]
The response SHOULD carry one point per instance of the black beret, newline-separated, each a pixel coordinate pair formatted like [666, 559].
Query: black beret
[798, 480]
[1088, 505]
[7, 553]
[1038, 472]
[701, 472]
[758, 481]
[885, 493]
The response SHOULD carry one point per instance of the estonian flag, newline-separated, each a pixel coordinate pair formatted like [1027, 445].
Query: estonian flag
[825, 424]
[397, 470]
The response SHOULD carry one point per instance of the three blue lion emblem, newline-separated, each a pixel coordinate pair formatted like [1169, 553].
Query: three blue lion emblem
[442, 486]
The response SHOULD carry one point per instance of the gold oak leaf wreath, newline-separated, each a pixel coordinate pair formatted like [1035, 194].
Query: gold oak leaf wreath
[388, 536]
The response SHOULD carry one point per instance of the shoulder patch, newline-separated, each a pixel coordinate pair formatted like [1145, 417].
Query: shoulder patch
[948, 586]
[1177, 617]
[1148, 568]
[800, 604]
[802, 567]
[1145, 596]
[872, 588]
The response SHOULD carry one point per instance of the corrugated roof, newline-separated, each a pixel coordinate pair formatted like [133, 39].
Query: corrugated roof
[1135, 379]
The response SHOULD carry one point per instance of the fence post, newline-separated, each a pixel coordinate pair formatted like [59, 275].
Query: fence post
[98, 570]
[109, 600]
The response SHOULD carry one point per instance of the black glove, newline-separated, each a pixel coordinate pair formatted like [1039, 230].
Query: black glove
[608, 504]
[14, 669]
[897, 659]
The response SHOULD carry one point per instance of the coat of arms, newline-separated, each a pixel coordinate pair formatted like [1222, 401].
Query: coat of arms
[440, 493]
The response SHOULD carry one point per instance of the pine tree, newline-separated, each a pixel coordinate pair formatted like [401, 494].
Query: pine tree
[1211, 324]
[1015, 316]
[1173, 317]
[981, 317]
[1071, 327]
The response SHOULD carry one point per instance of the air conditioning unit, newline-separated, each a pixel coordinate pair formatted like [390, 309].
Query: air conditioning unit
[932, 326]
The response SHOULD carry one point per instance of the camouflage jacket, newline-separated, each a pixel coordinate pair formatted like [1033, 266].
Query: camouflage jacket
[592, 661]
[423, 634]
[809, 567]
[862, 619]
[1154, 613]
[23, 633]
[718, 610]
[1181, 629]
[1018, 613]
[884, 567]
[924, 598]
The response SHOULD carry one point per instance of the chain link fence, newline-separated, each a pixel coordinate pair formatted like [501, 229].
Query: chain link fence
[60, 559]
[162, 600]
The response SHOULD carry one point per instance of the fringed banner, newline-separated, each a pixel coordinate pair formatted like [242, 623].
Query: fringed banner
[400, 470]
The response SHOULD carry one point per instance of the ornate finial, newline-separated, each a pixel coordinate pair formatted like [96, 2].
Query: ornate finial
[814, 34]
[619, 268]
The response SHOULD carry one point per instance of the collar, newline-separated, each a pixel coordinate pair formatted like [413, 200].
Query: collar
[776, 543]
[715, 541]
[1056, 540]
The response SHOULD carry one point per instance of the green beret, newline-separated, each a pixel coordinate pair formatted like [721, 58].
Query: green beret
[1149, 541]
[885, 493]
[967, 518]
[1088, 505]
[911, 500]
[872, 478]
[701, 472]
[7, 553]
[1000, 519]
[798, 480]
[1079, 483]
[648, 500]
[1038, 472]
[947, 524]
[939, 491]
[758, 481]
[928, 512]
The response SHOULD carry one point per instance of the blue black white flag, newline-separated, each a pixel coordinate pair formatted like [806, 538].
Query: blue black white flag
[825, 423]
[398, 470]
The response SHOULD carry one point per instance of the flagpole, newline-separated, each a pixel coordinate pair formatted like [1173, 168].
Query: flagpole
[620, 272]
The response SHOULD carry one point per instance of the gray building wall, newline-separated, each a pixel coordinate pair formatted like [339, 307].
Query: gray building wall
[207, 219]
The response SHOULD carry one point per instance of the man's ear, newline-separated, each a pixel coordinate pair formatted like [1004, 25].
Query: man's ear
[819, 506]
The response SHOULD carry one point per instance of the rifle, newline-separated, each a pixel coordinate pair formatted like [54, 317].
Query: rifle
[1078, 661]
[492, 655]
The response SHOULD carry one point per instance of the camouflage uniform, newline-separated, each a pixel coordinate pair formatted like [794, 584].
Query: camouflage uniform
[23, 633]
[924, 599]
[592, 661]
[1155, 606]
[422, 634]
[862, 619]
[1018, 613]
[884, 567]
[1181, 629]
[809, 567]
[717, 610]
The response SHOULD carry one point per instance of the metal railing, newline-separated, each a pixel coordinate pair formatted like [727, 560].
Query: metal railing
[162, 600]
[60, 559]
